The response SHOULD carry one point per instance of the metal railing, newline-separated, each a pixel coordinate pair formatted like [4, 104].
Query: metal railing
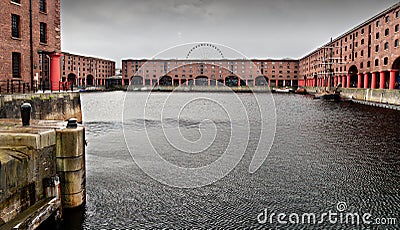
[12, 86]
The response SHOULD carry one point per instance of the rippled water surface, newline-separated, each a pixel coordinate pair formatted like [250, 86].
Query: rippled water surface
[323, 153]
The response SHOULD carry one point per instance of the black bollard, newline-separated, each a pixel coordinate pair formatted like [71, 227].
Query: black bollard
[72, 123]
[26, 109]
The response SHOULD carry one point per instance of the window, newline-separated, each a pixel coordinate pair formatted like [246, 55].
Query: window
[396, 28]
[377, 48]
[362, 53]
[42, 6]
[361, 65]
[368, 64]
[386, 45]
[378, 23]
[397, 14]
[396, 43]
[377, 35]
[362, 31]
[16, 1]
[376, 62]
[387, 32]
[15, 21]
[387, 19]
[385, 61]
[16, 65]
[43, 33]
[362, 41]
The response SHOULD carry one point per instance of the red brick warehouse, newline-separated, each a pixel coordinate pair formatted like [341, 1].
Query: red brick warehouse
[367, 56]
[85, 71]
[30, 41]
[235, 72]
[24, 36]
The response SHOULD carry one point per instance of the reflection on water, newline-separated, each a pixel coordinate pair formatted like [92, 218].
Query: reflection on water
[323, 153]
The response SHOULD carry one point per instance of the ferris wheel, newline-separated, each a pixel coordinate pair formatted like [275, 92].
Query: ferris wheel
[205, 51]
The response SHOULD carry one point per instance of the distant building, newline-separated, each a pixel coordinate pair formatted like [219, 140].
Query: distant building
[367, 56]
[28, 42]
[86, 71]
[237, 72]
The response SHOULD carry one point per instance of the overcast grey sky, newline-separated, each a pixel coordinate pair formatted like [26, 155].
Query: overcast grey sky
[116, 29]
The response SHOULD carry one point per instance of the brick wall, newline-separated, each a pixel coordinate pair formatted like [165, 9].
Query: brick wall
[8, 44]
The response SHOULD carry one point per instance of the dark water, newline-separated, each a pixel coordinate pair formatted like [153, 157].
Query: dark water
[323, 153]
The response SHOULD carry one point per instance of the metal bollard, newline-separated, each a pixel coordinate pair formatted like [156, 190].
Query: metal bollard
[26, 109]
[72, 123]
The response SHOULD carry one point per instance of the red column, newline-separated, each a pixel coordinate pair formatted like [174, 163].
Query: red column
[366, 80]
[336, 81]
[269, 82]
[348, 81]
[343, 81]
[382, 80]
[373, 81]
[55, 71]
[359, 80]
[392, 80]
[277, 83]
[239, 82]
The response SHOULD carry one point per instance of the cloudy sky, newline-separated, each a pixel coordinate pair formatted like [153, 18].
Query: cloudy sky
[116, 29]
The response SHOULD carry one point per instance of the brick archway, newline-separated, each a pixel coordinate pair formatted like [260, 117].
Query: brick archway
[90, 80]
[137, 80]
[395, 74]
[262, 81]
[71, 78]
[201, 81]
[353, 73]
[166, 81]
